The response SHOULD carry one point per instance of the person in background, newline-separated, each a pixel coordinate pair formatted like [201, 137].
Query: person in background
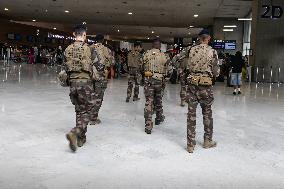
[44, 55]
[31, 56]
[102, 60]
[118, 64]
[59, 55]
[134, 66]
[36, 53]
[237, 65]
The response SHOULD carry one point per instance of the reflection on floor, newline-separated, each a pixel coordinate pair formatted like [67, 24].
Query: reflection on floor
[36, 113]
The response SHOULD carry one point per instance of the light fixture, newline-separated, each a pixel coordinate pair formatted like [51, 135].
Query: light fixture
[84, 23]
[191, 26]
[46, 10]
[228, 30]
[148, 37]
[230, 26]
[157, 36]
[195, 16]
[66, 11]
[130, 13]
[153, 32]
[118, 30]
[54, 28]
[34, 20]
[6, 9]
[245, 19]
[189, 33]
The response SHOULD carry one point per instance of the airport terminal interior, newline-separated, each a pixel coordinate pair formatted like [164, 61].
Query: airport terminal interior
[121, 150]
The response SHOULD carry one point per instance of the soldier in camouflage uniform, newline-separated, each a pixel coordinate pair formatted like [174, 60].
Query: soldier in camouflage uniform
[79, 70]
[180, 61]
[134, 65]
[102, 60]
[203, 66]
[155, 67]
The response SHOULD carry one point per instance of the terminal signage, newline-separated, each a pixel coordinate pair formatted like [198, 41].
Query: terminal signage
[272, 12]
[225, 44]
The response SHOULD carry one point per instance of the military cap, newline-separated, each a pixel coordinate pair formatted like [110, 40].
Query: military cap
[99, 37]
[204, 32]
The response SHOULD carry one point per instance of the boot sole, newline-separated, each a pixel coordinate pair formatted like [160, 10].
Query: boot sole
[207, 147]
[72, 144]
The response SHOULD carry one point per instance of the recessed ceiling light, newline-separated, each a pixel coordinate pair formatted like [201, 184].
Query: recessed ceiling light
[46, 10]
[153, 32]
[230, 26]
[6, 9]
[189, 33]
[245, 19]
[148, 37]
[66, 11]
[34, 20]
[157, 36]
[54, 28]
[191, 26]
[228, 30]
[130, 13]
[195, 16]
[118, 30]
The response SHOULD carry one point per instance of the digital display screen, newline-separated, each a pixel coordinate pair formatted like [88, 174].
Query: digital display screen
[225, 44]
[11, 36]
[219, 44]
[230, 45]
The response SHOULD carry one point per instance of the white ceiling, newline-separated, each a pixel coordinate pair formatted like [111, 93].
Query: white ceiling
[168, 18]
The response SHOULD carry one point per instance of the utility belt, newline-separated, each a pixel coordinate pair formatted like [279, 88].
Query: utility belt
[79, 83]
[200, 80]
[154, 75]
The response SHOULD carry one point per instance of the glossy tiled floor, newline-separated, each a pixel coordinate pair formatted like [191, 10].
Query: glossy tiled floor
[36, 113]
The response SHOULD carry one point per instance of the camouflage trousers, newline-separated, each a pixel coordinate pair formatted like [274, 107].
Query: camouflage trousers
[81, 95]
[153, 90]
[183, 87]
[133, 80]
[204, 96]
[99, 91]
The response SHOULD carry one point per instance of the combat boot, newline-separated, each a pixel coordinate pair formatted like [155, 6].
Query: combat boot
[127, 100]
[190, 149]
[81, 141]
[148, 131]
[72, 138]
[158, 121]
[182, 103]
[96, 122]
[136, 99]
[209, 144]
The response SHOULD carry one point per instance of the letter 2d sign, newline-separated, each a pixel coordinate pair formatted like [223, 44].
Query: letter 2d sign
[272, 12]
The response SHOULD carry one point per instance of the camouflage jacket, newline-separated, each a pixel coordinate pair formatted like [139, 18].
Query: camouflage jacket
[134, 59]
[102, 60]
[180, 60]
[203, 61]
[157, 62]
[78, 63]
